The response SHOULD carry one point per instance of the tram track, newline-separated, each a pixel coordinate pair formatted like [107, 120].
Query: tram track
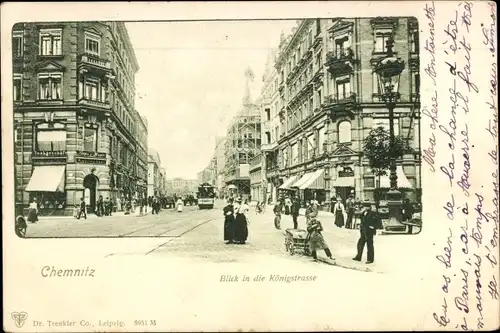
[172, 238]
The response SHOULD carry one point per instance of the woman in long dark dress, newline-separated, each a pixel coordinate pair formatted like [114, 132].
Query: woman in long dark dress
[229, 222]
[339, 213]
[240, 223]
[33, 212]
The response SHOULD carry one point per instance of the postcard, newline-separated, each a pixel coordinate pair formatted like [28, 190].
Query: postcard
[250, 166]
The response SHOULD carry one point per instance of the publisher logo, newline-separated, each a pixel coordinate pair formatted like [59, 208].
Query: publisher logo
[19, 318]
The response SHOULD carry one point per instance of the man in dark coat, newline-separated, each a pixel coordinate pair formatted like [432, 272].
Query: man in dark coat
[229, 222]
[295, 212]
[370, 222]
[83, 209]
[100, 207]
[350, 208]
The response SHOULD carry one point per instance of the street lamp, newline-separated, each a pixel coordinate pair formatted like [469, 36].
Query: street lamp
[388, 71]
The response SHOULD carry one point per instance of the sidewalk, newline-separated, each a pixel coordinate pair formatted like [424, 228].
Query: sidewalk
[93, 216]
[392, 252]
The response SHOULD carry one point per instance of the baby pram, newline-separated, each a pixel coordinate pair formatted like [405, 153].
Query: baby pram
[296, 240]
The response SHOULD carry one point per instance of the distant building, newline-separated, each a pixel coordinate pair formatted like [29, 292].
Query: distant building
[243, 141]
[180, 186]
[154, 173]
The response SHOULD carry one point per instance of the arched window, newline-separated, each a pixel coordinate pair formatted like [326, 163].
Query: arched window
[344, 132]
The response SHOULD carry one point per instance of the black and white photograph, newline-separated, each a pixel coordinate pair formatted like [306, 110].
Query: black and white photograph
[282, 152]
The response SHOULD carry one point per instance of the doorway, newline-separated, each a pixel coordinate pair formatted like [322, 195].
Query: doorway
[90, 183]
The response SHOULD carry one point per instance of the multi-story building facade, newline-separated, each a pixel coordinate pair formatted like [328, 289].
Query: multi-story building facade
[270, 132]
[329, 102]
[74, 116]
[162, 188]
[242, 143]
[142, 157]
[154, 177]
[181, 186]
[220, 145]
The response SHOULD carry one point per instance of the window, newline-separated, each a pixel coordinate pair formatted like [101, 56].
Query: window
[50, 140]
[341, 46]
[414, 40]
[311, 145]
[415, 86]
[369, 182]
[343, 87]
[268, 114]
[50, 42]
[384, 122]
[376, 90]
[381, 37]
[17, 44]
[345, 132]
[268, 137]
[18, 87]
[50, 86]
[92, 43]
[90, 139]
[322, 139]
[92, 89]
[295, 153]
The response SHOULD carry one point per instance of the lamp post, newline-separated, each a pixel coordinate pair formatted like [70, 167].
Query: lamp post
[388, 72]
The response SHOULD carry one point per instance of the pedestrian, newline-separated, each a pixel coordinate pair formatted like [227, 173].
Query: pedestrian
[407, 212]
[241, 222]
[118, 205]
[312, 210]
[277, 215]
[370, 222]
[110, 207]
[288, 205]
[315, 238]
[339, 213]
[100, 207]
[229, 222]
[133, 205]
[180, 204]
[350, 207]
[128, 206]
[83, 209]
[33, 211]
[106, 206]
[295, 212]
[75, 211]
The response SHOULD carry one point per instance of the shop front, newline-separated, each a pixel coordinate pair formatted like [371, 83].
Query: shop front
[47, 187]
[312, 186]
[344, 184]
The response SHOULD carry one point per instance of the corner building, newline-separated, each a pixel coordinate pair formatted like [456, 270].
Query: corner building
[329, 102]
[76, 127]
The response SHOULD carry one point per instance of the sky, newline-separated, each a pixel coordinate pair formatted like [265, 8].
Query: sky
[191, 82]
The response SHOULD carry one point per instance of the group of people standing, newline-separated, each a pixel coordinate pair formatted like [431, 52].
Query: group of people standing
[236, 221]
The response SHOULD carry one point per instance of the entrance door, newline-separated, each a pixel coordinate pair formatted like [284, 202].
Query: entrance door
[90, 183]
[343, 192]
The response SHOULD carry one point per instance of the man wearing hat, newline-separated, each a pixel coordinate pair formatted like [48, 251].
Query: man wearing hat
[370, 222]
[350, 208]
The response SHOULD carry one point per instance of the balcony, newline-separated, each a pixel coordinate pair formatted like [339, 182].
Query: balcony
[340, 62]
[94, 103]
[49, 157]
[339, 105]
[95, 64]
[318, 40]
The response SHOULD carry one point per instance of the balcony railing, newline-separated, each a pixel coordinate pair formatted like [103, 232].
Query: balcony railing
[94, 60]
[339, 62]
[334, 99]
[95, 103]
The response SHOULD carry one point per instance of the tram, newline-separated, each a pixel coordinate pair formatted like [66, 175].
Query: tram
[206, 196]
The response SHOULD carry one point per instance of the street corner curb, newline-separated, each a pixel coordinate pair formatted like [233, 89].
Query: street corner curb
[334, 262]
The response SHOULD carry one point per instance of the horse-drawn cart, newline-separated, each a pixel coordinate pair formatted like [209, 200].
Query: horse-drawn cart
[296, 240]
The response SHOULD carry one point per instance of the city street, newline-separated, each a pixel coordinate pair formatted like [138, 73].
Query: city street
[198, 234]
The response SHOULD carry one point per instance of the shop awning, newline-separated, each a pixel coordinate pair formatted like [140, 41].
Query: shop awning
[315, 182]
[343, 182]
[402, 180]
[47, 178]
[303, 179]
[287, 184]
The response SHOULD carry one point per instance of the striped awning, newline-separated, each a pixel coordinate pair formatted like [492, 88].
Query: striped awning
[47, 178]
[303, 179]
[343, 182]
[287, 184]
[315, 182]
[403, 182]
